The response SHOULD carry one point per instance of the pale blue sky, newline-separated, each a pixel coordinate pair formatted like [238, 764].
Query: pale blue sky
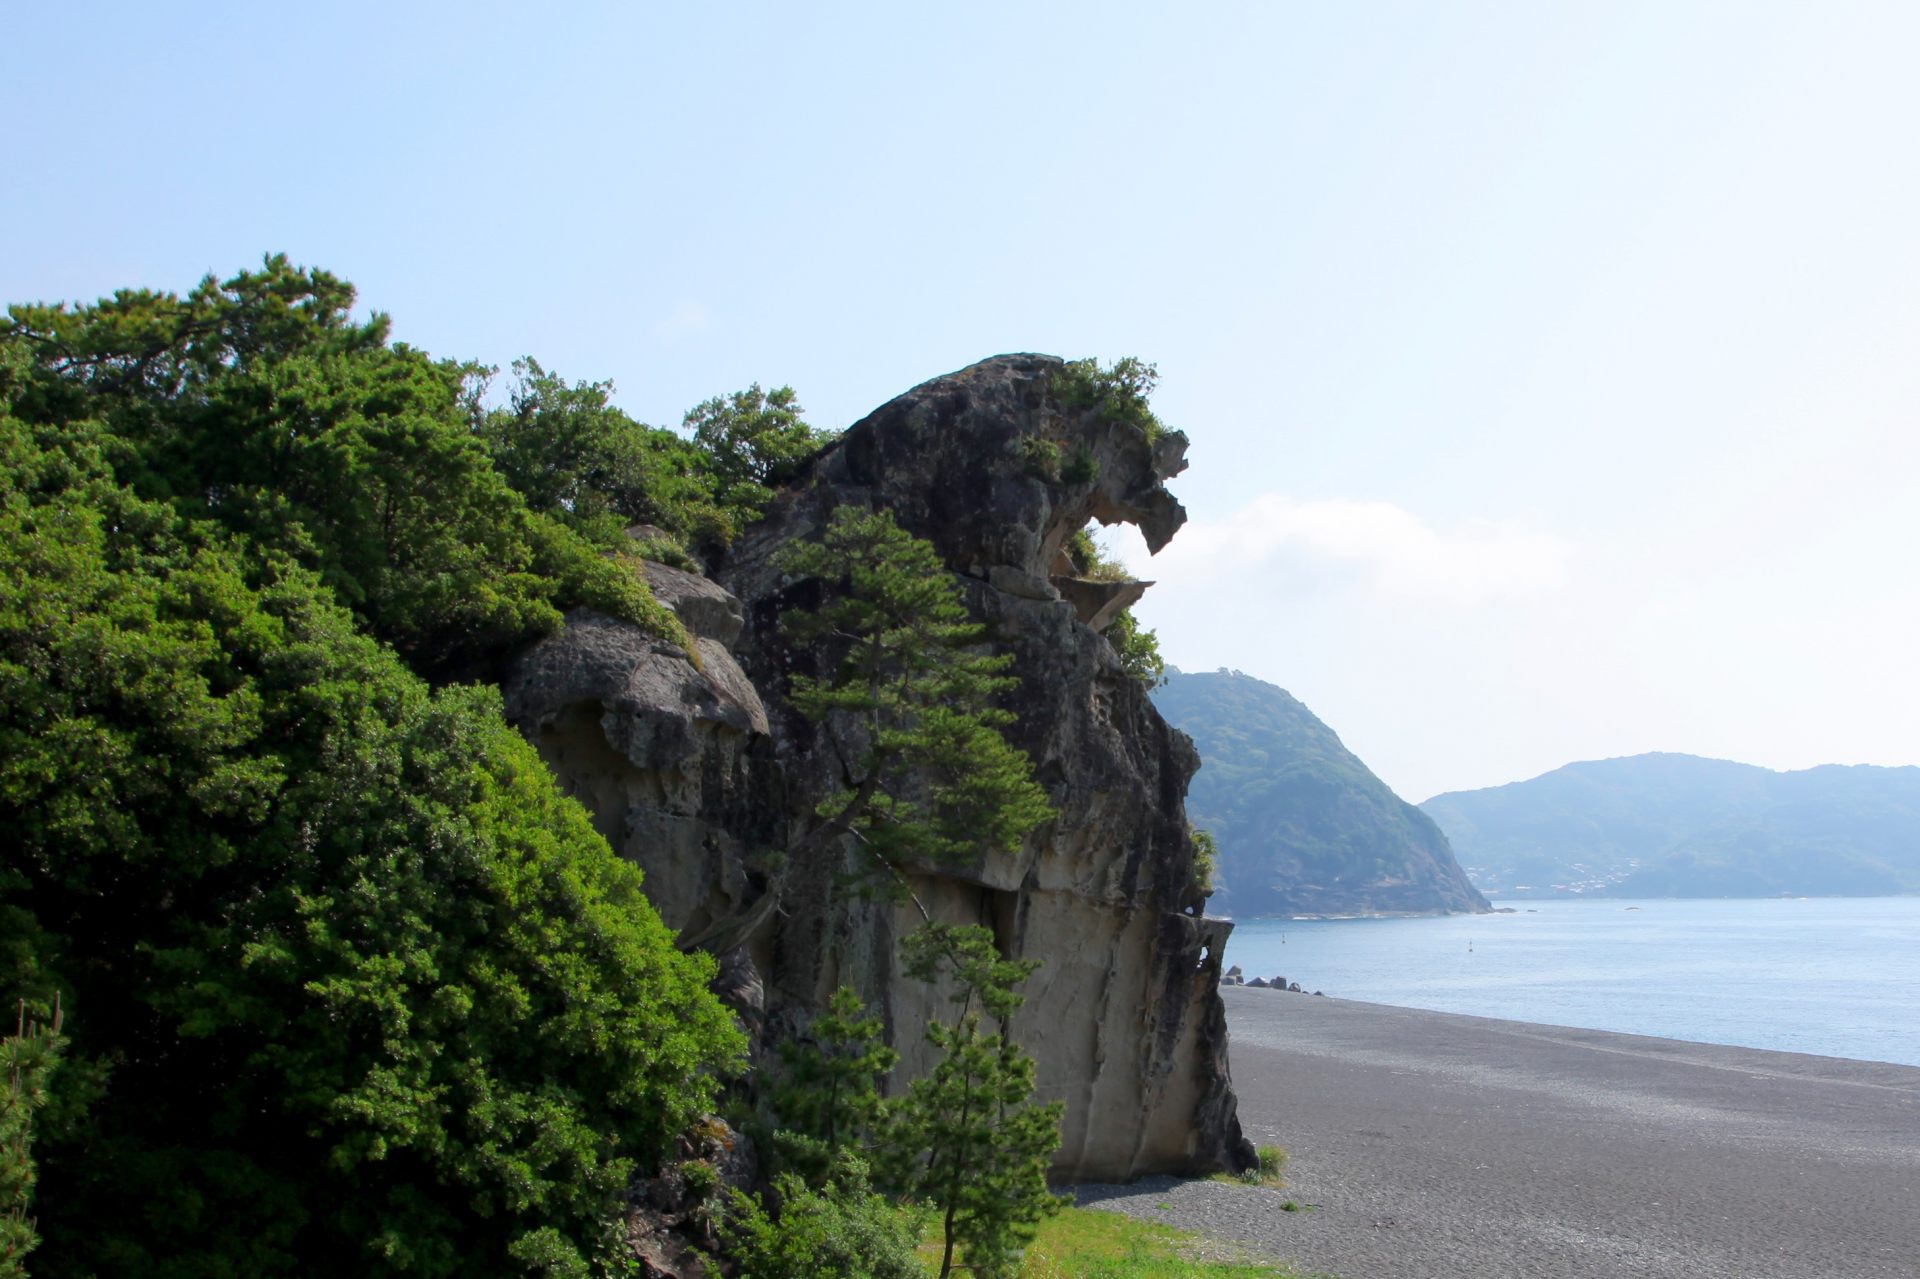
[1550, 368]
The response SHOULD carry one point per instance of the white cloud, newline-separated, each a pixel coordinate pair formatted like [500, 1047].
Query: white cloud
[1374, 545]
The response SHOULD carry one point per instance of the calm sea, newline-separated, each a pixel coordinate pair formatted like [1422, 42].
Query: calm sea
[1834, 976]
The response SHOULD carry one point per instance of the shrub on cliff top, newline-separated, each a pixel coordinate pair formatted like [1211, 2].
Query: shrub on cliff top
[1119, 392]
[575, 457]
[260, 403]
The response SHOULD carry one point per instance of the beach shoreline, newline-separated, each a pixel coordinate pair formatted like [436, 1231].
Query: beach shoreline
[1427, 1144]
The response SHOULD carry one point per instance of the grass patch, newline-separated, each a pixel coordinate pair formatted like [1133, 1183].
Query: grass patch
[1273, 1164]
[1084, 1243]
[1271, 1171]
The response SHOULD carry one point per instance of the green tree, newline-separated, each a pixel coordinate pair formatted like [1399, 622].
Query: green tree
[968, 1138]
[830, 1097]
[368, 995]
[935, 778]
[574, 456]
[1138, 649]
[261, 403]
[27, 1058]
[753, 440]
[1206, 857]
[907, 686]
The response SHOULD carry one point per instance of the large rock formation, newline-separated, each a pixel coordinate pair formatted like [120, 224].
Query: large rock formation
[703, 775]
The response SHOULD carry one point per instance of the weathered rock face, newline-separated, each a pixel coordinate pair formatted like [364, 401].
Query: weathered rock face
[673, 760]
[698, 774]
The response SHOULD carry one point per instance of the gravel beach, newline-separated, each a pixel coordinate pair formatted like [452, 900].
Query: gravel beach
[1436, 1146]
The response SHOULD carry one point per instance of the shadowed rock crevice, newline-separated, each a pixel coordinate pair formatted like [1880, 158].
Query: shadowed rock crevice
[714, 775]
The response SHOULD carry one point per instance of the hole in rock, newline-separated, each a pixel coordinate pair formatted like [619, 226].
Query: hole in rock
[1123, 542]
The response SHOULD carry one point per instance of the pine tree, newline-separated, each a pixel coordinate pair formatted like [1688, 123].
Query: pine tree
[909, 690]
[935, 780]
[968, 1138]
[830, 1098]
[27, 1058]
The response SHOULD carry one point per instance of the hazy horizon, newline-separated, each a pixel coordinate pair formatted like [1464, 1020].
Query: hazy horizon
[1549, 370]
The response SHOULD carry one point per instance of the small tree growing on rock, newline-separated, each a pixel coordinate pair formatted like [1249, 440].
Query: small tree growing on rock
[968, 1139]
[935, 779]
[830, 1099]
[931, 778]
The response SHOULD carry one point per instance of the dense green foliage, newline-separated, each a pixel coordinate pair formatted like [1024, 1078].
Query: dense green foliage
[578, 459]
[751, 440]
[27, 1059]
[355, 989]
[1302, 826]
[260, 403]
[837, 1229]
[967, 1139]
[1664, 825]
[936, 780]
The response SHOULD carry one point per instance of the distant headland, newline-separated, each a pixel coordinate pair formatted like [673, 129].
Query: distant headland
[1667, 825]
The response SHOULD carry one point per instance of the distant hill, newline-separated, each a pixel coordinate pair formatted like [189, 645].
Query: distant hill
[1680, 826]
[1303, 826]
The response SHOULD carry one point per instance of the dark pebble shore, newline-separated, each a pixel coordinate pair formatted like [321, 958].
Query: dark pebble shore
[1435, 1146]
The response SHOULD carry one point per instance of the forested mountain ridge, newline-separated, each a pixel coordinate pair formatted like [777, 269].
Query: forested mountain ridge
[1303, 827]
[1669, 825]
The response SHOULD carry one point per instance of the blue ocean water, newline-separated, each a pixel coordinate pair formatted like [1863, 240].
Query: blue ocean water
[1835, 976]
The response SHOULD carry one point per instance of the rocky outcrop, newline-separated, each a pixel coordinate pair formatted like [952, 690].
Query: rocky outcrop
[702, 774]
[1097, 603]
[671, 758]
